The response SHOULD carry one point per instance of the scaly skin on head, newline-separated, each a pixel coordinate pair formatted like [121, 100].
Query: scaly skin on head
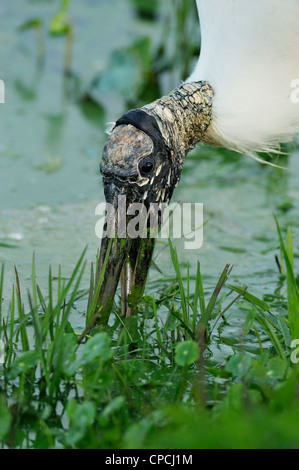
[142, 160]
[166, 129]
[183, 117]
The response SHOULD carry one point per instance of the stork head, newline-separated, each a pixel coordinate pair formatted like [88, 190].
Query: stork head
[137, 163]
[137, 168]
[141, 163]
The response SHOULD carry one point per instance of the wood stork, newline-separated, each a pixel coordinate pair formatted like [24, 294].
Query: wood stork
[240, 96]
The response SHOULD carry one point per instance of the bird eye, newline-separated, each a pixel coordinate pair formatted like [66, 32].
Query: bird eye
[146, 167]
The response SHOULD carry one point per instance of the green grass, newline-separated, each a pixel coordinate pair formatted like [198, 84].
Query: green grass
[163, 387]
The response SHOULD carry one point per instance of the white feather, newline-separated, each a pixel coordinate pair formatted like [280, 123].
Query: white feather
[250, 56]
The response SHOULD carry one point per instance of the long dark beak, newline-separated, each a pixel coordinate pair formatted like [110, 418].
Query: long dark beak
[122, 257]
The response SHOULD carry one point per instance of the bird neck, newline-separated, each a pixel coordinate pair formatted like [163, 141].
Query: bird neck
[183, 117]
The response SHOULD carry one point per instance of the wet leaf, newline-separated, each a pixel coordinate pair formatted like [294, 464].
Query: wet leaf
[249, 321]
[59, 24]
[186, 353]
[98, 347]
[30, 24]
[239, 365]
[23, 363]
[81, 417]
[173, 323]
[285, 330]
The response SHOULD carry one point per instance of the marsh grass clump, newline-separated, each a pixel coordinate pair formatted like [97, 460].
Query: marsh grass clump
[177, 377]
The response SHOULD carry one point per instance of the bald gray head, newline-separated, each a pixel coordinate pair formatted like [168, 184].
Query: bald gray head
[144, 155]
[136, 161]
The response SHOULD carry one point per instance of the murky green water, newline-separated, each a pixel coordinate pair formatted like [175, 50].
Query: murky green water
[42, 129]
[52, 212]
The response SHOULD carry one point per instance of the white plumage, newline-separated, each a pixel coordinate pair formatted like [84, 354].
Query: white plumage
[250, 56]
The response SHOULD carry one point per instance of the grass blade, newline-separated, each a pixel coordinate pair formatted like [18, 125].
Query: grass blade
[292, 289]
